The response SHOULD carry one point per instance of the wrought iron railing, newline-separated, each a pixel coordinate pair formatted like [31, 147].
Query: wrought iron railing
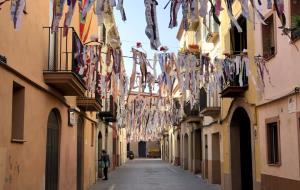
[233, 74]
[64, 51]
[190, 110]
[109, 106]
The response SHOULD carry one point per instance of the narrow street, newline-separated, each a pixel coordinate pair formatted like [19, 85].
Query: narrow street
[141, 174]
[150, 95]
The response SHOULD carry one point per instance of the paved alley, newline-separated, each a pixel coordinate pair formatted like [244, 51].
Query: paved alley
[148, 174]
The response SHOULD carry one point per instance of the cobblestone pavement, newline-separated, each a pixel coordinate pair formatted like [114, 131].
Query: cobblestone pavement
[151, 174]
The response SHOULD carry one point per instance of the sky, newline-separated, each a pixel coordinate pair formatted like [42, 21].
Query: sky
[133, 30]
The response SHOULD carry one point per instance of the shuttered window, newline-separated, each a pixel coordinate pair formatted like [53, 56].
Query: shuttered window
[295, 19]
[268, 38]
[273, 143]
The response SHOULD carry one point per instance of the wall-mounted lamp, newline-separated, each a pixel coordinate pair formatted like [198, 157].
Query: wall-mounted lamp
[71, 117]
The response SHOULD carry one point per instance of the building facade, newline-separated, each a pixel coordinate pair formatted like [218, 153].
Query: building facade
[51, 135]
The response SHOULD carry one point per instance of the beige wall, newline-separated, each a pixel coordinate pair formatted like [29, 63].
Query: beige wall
[289, 135]
[23, 165]
[26, 50]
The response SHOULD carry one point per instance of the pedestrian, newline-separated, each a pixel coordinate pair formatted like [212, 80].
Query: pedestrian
[105, 163]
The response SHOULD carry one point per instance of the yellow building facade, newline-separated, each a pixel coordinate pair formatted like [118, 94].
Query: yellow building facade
[229, 132]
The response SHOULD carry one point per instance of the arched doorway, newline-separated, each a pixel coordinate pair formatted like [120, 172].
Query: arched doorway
[52, 150]
[241, 151]
[99, 153]
[142, 149]
[80, 153]
[185, 151]
[178, 150]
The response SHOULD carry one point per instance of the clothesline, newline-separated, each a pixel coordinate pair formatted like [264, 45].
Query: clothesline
[131, 57]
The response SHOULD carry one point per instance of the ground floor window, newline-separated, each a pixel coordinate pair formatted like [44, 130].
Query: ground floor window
[273, 142]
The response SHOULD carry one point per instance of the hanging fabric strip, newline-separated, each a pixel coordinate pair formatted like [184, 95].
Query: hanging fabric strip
[154, 66]
[203, 8]
[100, 11]
[133, 73]
[85, 21]
[57, 13]
[213, 10]
[245, 8]
[152, 27]
[261, 18]
[270, 4]
[87, 7]
[109, 67]
[193, 9]
[233, 20]
[218, 7]
[69, 15]
[143, 68]
[279, 7]
[175, 5]
[17, 8]
[185, 11]
[120, 7]
[117, 58]
[113, 3]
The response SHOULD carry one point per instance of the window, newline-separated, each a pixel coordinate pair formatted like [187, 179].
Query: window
[273, 142]
[239, 39]
[18, 105]
[268, 38]
[295, 19]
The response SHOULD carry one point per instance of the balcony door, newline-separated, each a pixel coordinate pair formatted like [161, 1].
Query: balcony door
[142, 149]
[239, 39]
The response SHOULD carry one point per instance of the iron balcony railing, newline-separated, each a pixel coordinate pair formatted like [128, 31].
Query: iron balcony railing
[234, 74]
[65, 52]
[191, 110]
[109, 107]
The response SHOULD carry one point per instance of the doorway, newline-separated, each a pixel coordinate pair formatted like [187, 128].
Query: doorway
[216, 159]
[80, 153]
[206, 157]
[171, 149]
[191, 155]
[198, 151]
[178, 150]
[99, 154]
[241, 151]
[142, 149]
[186, 151]
[52, 150]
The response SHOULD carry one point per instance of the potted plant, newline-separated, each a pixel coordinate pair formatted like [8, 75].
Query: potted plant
[295, 30]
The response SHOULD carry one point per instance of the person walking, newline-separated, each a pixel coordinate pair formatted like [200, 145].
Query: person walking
[105, 163]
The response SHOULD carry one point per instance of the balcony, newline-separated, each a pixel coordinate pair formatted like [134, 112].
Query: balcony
[89, 103]
[62, 71]
[108, 111]
[234, 81]
[213, 112]
[192, 114]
